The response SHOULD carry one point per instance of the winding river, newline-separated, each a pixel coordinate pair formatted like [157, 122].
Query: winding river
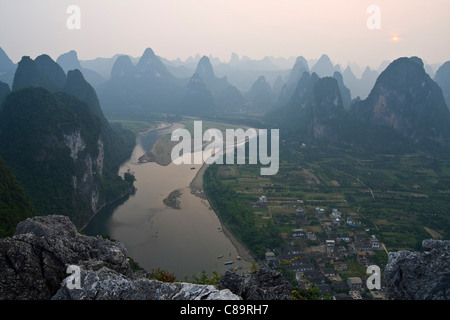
[183, 241]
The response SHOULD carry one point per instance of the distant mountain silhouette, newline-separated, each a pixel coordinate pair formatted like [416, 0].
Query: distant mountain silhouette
[135, 91]
[345, 92]
[7, 68]
[38, 73]
[405, 109]
[226, 96]
[206, 73]
[102, 66]
[198, 99]
[122, 68]
[406, 102]
[300, 66]
[69, 61]
[442, 78]
[359, 87]
[315, 110]
[260, 96]
[324, 67]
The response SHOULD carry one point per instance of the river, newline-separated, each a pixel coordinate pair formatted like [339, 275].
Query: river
[182, 241]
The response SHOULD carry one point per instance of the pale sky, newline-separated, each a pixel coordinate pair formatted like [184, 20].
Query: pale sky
[254, 28]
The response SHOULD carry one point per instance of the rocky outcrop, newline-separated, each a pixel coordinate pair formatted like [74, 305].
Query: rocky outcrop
[105, 284]
[34, 261]
[263, 284]
[34, 264]
[419, 275]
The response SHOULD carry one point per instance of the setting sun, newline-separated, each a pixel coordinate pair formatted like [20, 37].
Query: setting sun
[395, 39]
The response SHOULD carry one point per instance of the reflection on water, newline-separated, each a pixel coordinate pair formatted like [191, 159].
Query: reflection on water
[184, 241]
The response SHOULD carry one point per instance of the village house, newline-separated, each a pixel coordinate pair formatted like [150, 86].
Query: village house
[342, 252]
[299, 213]
[340, 266]
[262, 201]
[290, 252]
[339, 286]
[324, 288]
[328, 272]
[320, 213]
[298, 233]
[342, 237]
[311, 236]
[335, 213]
[361, 257]
[363, 245]
[330, 247]
[354, 283]
[327, 229]
[374, 242]
[350, 222]
[336, 222]
[304, 267]
[355, 295]
[315, 276]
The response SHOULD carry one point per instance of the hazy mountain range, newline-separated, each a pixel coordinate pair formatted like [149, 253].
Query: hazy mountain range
[58, 144]
[239, 73]
[405, 108]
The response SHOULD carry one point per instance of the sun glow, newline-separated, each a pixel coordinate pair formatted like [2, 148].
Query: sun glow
[395, 39]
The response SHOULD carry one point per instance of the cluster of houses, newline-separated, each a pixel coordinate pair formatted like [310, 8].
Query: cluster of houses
[325, 264]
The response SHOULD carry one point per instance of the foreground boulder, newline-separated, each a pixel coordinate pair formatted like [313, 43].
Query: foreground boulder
[263, 284]
[419, 275]
[105, 284]
[34, 262]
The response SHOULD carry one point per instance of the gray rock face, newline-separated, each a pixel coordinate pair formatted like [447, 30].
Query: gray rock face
[263, 284]
[33, 265]
[419, 275]
[34, 261]
[105, 284]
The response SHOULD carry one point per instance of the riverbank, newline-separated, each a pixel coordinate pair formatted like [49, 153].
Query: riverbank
[121, 197]
[196, 187]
